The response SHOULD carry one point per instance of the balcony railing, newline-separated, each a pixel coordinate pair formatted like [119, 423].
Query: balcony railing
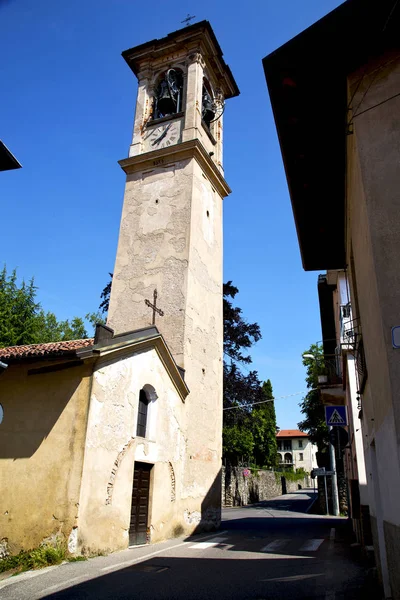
[330, 370]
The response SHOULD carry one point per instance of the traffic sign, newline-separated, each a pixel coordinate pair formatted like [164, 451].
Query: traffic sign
[335, 415]
[339, 437]
[318, 472]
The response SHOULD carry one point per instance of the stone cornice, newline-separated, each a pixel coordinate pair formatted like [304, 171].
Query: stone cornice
[128, 347]
[164, 156]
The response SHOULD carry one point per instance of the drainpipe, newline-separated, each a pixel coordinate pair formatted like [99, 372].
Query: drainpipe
[335, 494]
[3, 367]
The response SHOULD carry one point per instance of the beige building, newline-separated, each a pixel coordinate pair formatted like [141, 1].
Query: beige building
[335, 95]
[295, 450]
[340, 386]
[118, 440]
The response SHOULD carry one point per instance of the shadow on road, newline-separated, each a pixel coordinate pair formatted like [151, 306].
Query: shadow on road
[166, 578]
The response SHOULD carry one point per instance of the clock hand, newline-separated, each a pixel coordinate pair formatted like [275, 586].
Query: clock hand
[162, 136]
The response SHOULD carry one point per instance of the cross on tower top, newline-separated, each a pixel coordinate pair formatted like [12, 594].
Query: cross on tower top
[154, 307]
[188, 19]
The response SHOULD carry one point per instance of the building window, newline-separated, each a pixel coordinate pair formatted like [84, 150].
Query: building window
[301, 457]
[142, 414]
[279, 445]
[287, 445]
[300, 443]
[288, 459]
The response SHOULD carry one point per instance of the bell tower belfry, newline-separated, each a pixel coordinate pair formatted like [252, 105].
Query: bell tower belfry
[170, 241]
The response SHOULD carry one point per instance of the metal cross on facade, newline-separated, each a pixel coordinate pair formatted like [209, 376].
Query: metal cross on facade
[188, 19]
[154, 307]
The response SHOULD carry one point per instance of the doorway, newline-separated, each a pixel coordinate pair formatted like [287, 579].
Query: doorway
[140, 504]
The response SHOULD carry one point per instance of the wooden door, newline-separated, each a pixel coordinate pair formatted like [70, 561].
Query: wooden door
[140, 504]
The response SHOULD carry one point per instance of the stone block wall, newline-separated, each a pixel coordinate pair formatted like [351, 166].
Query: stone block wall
[239, 489]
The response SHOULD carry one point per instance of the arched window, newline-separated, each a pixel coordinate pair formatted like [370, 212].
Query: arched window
[168, 94]
[142, 414]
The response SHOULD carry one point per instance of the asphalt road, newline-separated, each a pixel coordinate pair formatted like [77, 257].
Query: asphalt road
[272, 551]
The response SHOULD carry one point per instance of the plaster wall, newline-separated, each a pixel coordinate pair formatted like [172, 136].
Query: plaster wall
[374, 225]
[373, 233]
[112, 447]
[355, 430]
[153, 252]
[41, 452]
[203, 341]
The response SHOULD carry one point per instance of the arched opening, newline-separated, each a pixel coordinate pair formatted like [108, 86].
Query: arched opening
[288, 458]
[208, 108]
[168, 94]
[142, 414]
[279, 458]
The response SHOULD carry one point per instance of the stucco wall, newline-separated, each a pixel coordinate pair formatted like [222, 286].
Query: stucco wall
[171, 240]
[112, 448]
[373, 227]
[41, 452]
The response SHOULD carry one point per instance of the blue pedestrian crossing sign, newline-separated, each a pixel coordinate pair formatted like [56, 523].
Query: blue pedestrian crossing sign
[335, 415]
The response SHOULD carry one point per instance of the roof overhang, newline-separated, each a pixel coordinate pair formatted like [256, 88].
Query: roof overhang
[7, 159]
[327, 314]
[140, 340]
[307, 83]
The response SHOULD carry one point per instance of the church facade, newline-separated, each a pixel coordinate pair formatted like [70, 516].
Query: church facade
[117, 440]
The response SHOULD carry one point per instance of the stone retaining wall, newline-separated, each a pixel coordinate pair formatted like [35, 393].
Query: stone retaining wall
[239, 489]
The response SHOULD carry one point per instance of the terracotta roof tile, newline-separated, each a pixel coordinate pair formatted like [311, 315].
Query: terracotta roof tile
[291, 433]
[50, 349]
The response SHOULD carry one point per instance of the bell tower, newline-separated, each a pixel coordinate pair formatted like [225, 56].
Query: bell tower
[170, 241]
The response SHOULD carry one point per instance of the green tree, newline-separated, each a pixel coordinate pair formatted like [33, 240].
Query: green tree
[314, 422]
[249, 429]
[263, 419]
[23, 321]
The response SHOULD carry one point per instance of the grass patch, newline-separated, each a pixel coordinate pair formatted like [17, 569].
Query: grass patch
[38, 558]
[76, 558]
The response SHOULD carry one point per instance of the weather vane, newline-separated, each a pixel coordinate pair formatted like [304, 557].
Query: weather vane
[188, 19]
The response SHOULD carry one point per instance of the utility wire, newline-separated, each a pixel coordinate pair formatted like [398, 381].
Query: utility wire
[366, 67]
[264, 401]
[375, 105]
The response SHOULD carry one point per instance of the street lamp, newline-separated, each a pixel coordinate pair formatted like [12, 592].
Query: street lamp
[335, 493]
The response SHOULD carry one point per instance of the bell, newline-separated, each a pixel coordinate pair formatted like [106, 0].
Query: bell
[208, 109]
[166, 102]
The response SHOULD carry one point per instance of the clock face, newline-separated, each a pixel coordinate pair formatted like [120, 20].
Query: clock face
[164, 135]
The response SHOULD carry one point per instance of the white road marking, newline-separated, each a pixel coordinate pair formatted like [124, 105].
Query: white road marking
[275, 545]
[295, 577]
[311, 545]
[212, 543]
[27, 575]
[127, 563]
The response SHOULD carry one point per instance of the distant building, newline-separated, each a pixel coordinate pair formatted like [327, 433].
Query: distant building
[295, 450]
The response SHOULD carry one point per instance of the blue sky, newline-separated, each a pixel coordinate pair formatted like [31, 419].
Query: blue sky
[67, 114]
